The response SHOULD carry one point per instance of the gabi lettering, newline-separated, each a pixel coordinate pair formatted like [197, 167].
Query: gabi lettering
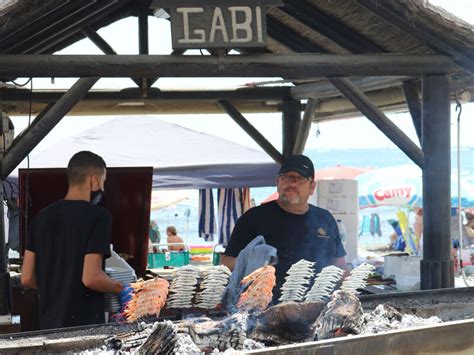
[240, 21]
[217, 24]
[383, 194]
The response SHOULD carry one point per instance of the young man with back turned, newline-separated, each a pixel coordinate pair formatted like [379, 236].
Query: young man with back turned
[66, 248]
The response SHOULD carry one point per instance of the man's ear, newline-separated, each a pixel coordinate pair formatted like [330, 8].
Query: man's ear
[92, 181]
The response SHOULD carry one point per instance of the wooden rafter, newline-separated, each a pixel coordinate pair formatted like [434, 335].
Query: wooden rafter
[259, 65]
[328, 26]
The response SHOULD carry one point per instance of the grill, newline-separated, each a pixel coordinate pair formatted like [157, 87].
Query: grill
[245, 332]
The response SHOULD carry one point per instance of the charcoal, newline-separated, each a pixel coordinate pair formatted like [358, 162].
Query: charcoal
[343, 315]
[161, 341]
[289, 321]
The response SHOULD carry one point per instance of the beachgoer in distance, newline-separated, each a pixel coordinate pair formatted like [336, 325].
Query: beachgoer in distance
[173, 237]
[154, 235]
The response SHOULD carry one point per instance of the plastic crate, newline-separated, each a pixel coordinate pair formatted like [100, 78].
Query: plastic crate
[216, 254]
[169, 258]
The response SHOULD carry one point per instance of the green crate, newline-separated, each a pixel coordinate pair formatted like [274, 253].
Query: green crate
[216, 254]
[216, 258]
[171, 258]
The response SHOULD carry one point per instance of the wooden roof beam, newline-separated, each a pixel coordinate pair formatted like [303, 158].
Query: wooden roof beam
[127, 95]
[378, 118]
[294, 66]
[103, 45]
[305, 126]
[385, 9]
[324, 89]
[330, 27]
[411, 89]
[251, 131]
[48, 121]
[98, 40]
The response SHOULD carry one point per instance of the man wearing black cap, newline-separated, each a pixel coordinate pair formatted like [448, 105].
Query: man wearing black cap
[295, 228]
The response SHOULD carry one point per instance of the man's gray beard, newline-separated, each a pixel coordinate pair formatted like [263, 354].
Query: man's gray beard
[293, 201]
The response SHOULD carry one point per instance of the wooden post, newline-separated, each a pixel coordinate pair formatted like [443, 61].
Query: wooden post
[412, 95]
[143, 43]
[305, 126]
[291, 110]
[42, 127]
[437, 269]
[5, 291]
[251, 131]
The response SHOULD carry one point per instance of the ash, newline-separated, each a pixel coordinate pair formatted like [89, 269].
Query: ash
[385, 318]
[185, 345]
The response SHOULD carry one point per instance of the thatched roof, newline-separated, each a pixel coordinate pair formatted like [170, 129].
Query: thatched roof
[312, 26]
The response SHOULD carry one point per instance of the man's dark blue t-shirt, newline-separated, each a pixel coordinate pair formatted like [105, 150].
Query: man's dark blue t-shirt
[313, 236]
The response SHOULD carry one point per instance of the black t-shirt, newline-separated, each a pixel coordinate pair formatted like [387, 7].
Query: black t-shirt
[313, 236]
[60, 236]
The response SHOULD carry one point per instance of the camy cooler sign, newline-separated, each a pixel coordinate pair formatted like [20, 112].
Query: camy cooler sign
[217, 24]
[394, 195]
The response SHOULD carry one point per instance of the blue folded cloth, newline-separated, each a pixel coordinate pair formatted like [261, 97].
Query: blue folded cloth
[255, 255]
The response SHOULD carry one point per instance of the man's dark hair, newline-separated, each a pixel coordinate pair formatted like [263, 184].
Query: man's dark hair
[83, 164]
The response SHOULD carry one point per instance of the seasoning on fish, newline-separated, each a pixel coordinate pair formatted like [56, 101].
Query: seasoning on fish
[259, 289]
[148, 298]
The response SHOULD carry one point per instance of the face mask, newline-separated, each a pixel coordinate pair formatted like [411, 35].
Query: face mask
[98, 197]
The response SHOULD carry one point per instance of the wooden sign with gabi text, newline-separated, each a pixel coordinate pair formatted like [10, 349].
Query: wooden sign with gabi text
[217, 24]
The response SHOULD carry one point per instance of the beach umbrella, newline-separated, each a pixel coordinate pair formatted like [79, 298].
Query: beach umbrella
[402, 186]
[207, 221]
[163, 198]
[330, 173]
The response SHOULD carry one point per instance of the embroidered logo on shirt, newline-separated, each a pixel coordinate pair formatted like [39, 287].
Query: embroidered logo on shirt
[321, 233]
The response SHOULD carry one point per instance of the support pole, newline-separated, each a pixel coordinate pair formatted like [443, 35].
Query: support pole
[412, 95]
[142, 7]
[305, 126]
[291, 110]
[437, 269]
[40, 129]
[5, 291]
[378, 118]
[251, 131]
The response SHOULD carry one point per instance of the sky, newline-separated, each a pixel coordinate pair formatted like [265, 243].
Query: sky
[357, 132]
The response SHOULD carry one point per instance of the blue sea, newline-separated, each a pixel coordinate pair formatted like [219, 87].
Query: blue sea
[184, 215]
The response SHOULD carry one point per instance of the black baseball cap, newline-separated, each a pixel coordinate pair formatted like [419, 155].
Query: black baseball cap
[299, 163]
